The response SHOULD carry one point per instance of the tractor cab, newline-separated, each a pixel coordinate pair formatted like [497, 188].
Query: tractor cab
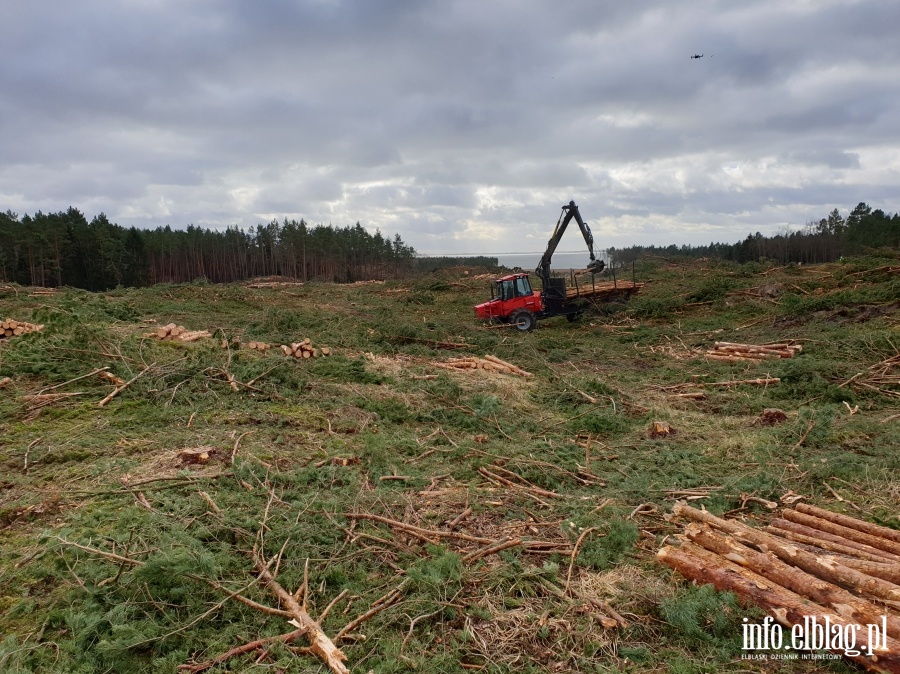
[509, 294]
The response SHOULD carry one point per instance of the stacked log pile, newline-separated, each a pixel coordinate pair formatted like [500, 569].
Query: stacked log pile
[487, 363]
[304, 349]
[178, 333]
[810, 565]
[12, 328]
[735, 352]
[259, 346]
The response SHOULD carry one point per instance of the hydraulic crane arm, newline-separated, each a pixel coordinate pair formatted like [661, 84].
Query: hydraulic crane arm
[569, 211]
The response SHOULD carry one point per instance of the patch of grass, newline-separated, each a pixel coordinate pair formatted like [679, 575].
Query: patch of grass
[377, 429]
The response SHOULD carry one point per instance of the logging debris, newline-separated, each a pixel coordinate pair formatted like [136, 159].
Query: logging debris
[13, 328]
[796, 570]
[760, 381]
[178, 333]
[879, 377]
[491, 363]
[735, 352]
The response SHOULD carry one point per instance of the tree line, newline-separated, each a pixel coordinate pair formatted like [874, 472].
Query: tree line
[64, 248]
[827, 240]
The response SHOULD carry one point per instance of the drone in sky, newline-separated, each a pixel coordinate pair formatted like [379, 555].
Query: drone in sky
[697, 56]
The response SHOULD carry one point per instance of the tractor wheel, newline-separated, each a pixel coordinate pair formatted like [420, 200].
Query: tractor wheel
[523, 320]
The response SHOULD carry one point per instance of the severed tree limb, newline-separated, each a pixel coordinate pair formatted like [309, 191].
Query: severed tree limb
[331, 605]
[499, 546]
[241, 650]
[84, 376]
[428, 535]
[101, 553]
[515, 485]
[124, 386]
[575, 554]
[378, 606]
[319, 643]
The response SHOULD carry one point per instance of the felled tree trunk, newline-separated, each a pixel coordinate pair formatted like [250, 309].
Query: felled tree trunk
[840, 530]
[826, 541]
[788, 608]
[823, 567]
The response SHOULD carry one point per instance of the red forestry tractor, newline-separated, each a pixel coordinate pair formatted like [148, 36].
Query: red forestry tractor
[514, 301]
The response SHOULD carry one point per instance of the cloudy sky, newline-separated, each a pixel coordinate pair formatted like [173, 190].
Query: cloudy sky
[462, 125]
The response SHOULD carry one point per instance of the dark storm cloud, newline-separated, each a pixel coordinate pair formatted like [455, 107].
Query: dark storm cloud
[463, 125]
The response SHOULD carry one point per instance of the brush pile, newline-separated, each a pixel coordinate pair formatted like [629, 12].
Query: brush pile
[11, 328]
[178, 333]
[882, 377]
[304, 349]
[810, 567]
[487, 363]
[736, 353]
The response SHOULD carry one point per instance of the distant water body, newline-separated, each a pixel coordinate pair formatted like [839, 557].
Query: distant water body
[559, 261]
[529, 261]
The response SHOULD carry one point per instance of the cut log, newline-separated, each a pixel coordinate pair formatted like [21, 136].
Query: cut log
[840, 530]
[805, 534]
[888, 572]
[786, 607]
[850, 522]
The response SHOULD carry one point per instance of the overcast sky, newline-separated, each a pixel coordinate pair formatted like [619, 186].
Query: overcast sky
[462, 125]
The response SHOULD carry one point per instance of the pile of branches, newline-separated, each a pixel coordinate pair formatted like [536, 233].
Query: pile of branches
[487, 363]
[736, 353]
[813, 564]
[882, 377]
[12, 328]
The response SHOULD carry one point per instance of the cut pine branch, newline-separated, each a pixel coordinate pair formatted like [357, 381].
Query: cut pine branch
[319, 643]
[124, 386]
